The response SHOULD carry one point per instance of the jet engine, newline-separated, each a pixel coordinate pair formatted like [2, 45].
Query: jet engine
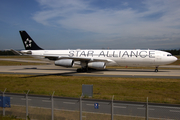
[97, 65]
[64, 62]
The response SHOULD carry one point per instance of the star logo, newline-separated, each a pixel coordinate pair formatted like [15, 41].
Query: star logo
[28, 42]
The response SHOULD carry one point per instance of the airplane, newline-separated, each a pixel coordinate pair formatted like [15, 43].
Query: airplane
[97, 59]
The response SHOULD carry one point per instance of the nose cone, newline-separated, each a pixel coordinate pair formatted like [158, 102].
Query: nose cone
[174, 59]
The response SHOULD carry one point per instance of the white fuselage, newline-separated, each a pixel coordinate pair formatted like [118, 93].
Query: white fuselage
[114, 57]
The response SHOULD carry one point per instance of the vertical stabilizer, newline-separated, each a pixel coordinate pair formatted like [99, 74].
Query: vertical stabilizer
[28, 42]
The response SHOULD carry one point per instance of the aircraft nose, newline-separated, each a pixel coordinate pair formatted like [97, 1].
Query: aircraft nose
[174, 58]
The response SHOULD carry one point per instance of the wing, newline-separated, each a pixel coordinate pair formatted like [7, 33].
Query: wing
[82, 59]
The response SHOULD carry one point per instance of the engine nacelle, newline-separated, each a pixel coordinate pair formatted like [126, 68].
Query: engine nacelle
[26, 52]
[64, 62]
[97, 65]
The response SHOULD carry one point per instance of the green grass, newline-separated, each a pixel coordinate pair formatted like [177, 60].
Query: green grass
[15, 56]
[9, 118]
[23, 57]
[13, 63]
[128, 89]
[19, 57]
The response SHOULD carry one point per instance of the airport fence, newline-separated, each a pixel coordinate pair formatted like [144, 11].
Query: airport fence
[59, 108]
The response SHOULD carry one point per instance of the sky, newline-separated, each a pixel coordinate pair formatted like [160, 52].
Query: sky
[91, 24]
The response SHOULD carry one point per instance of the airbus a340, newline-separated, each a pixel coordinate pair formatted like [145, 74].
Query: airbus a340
[98, 59]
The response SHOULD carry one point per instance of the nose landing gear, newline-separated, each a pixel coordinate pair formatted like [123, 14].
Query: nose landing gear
[156, 70]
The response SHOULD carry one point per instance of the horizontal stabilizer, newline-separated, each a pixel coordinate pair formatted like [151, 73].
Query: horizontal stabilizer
[16, 52]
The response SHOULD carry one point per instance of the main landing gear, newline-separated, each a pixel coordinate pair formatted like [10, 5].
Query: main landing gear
[85, 69]
[156, 70]
[82, 70]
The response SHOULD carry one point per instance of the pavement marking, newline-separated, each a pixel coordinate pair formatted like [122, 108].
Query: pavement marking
[144, 109]
[24, 99]
[91, 104]
[120, 107]
[165, 107]
[46, 101]
[130, 105]
[174, 111]
[19, 105]
[69, 103]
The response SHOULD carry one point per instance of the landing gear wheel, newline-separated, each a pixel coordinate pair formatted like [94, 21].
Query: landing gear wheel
[84, 70]
[79, 70]
[156, 70]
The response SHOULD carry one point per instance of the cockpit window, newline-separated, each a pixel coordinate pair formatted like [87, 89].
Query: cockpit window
[169, 54]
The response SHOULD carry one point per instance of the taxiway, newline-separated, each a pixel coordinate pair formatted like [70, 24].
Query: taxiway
[56, 70]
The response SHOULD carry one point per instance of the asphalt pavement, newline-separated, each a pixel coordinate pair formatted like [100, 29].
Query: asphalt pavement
[56, 70]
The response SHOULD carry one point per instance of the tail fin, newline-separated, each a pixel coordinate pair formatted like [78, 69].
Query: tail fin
[28, 42]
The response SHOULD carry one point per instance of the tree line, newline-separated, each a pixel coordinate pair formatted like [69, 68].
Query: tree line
[173, 51]
[6, 52]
